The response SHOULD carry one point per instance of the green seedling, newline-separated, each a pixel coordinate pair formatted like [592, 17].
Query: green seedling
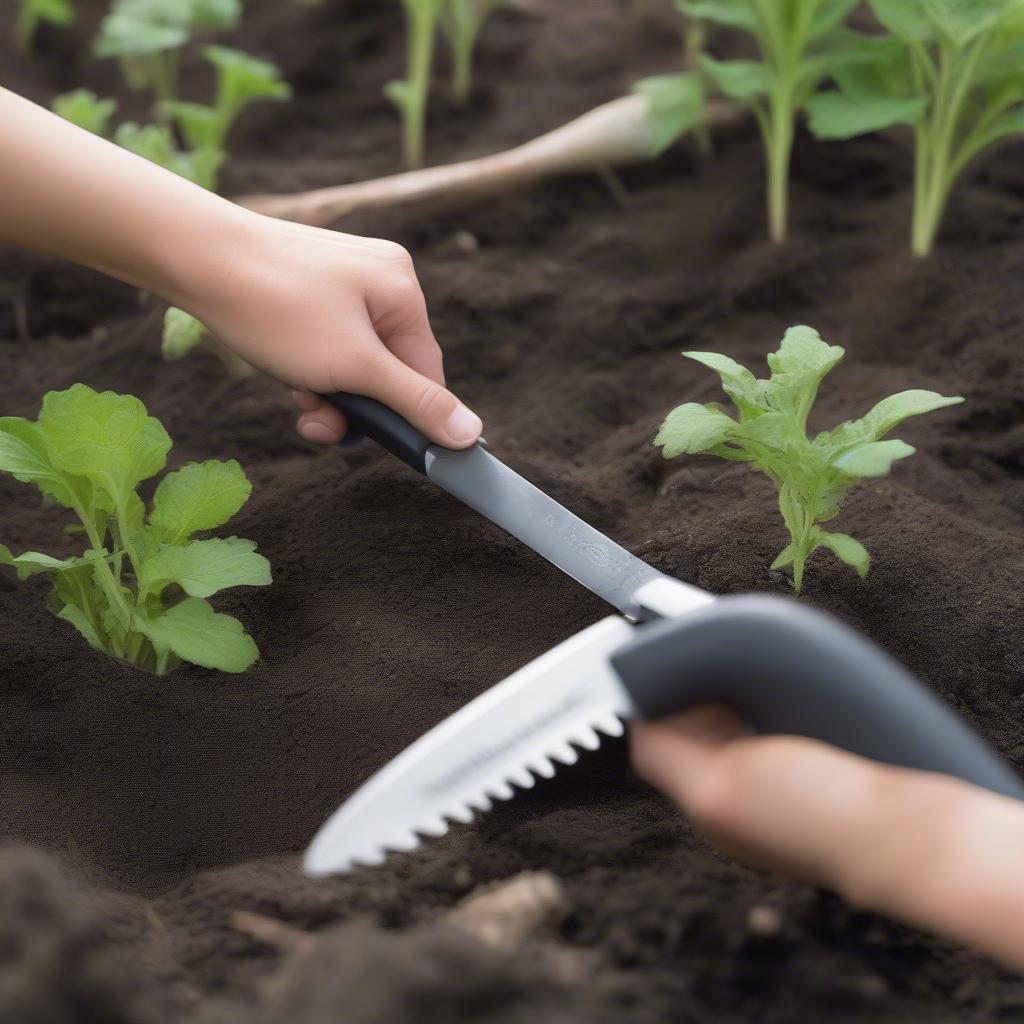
[139, 591]
[241, 80]
[147, 37]
[813, 476]
[86, 109]
[462, 21]
[675, 106]
[183, 333]
[33, 13]
[953, 71]
[800, 41]
[410, 95]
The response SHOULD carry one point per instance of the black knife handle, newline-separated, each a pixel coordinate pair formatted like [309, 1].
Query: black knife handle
[385, 426]
[788, 669]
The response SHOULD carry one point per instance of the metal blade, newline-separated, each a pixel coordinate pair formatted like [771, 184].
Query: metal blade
[521, 728]
[486, 484]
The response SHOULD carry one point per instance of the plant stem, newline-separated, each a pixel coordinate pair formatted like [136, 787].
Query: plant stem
[422, 21]
[779, 139]
[462, 67]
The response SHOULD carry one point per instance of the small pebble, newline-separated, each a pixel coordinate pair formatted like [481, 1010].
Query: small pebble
[873, 986]
[763, 921]
[465, 242]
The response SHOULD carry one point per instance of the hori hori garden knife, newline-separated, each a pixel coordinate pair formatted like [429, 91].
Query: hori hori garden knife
[784, 667]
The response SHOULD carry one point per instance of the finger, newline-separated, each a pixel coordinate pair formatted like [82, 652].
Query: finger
[305, 400]
[322, 424]
[427, 405]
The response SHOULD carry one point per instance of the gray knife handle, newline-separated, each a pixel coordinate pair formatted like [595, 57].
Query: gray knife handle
[788, 669]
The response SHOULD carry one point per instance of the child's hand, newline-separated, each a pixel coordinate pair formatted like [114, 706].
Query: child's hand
[924, 848]
[324, 311]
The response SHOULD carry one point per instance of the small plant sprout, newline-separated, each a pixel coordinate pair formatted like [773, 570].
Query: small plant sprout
[800, 41]
[410, 95]
[147, 36]
[139, 590]
[951, 70]
[241, 80]
[462, 21]
[813, 476]
[182, 333]
[86, 109]
[33, 13]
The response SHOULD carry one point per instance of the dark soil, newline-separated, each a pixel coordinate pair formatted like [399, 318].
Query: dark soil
[141, 813]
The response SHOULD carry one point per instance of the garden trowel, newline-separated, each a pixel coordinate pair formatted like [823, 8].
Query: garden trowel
[784, 667]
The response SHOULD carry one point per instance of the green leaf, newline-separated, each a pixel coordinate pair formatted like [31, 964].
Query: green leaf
[31, 563]
[797, 368]
[199, 496]
[907, 19]
[81, 621]
[693, 428]
[33, 13]
[675, 106]
[892, 411]
[106, 438]
[737, 381]
[828, 16]
[182, 332]
[196, 633]
[786, 557]
[204, 567]
[201, 126]
[24, 455]
[834, 115]
[242, 79]
[85, 109]
[733, 13]
[872, 459]
[741, 80]
[848, 550]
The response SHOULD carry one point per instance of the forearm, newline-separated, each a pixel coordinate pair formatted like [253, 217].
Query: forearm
[70, 194]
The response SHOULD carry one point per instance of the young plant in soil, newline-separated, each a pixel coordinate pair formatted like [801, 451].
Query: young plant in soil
[461, 22]
[952, 71]
[33, 13]
[813, 475]
[411, 93]
[147, 37]
[800, 41]
[138, 591]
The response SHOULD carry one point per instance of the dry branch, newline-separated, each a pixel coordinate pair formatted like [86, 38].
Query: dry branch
[610, 135]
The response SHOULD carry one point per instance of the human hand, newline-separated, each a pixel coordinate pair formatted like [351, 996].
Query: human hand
[926, 849]
[324, 311]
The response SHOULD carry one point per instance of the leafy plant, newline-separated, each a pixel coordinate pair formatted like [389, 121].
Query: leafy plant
[33, 13]
[462, 21]
[138, 592]
[86, 109]
[146, 37]
[410, 94]
[813, 476]
[241, 79]
[954, 71]
[182, 333]
[800, 41]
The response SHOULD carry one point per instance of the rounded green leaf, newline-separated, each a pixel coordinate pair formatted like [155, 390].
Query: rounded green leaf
[199, 496]
[204, 567]
[848, 550]
[196, 633]
[872, 459]
[693, 428]
[741, 80]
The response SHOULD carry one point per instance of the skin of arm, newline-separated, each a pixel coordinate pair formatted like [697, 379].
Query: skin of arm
[319, 310]
[925, 849]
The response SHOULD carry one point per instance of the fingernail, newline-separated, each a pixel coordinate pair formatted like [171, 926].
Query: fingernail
[463, 425]
[318, 433]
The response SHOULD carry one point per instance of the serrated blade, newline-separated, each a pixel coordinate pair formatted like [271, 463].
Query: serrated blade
[524, 727]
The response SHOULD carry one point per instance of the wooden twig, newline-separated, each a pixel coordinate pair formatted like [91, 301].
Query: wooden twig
[280, 936]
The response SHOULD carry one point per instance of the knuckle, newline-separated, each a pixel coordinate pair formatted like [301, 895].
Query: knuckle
[395, 253]
[433, 402]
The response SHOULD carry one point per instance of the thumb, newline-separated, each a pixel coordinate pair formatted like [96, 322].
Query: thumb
[427, 405]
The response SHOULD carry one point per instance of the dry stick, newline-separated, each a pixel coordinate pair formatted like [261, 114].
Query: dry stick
[608, 136]
[271, 932]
